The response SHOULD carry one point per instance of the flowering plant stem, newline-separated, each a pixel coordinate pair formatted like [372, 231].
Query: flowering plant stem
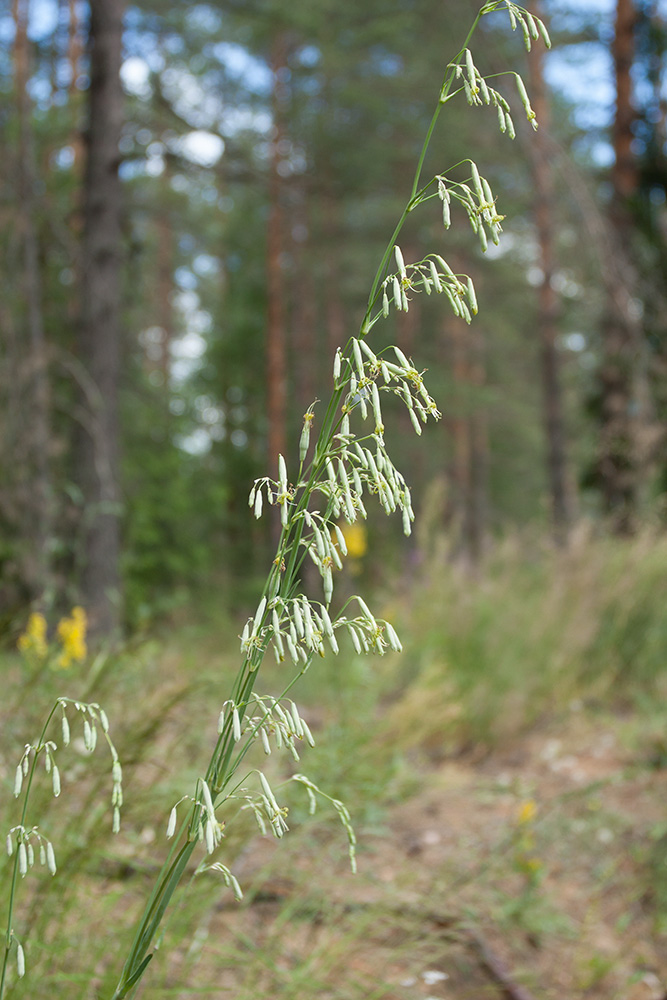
[15, 867]
[345, 465]
[21, 837]
[295, 501]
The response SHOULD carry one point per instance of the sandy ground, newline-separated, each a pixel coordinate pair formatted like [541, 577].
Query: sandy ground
[536, 872]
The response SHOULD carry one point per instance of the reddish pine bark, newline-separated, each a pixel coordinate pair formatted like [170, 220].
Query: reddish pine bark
[97, 458]
[335, 315]
[624, 172]
[306, 345]
[619, 464]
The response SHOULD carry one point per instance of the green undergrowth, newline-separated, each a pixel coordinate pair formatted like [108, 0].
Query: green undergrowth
[491, 653]
[487, 656]
[162, 694]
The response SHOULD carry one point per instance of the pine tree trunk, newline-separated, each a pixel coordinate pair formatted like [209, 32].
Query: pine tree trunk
[74, 46]
[97, 458]
[476, 528]
[459, 429]
[335, 315]
[619, 465]
[624, 171]
[164, 285]
[552, 394]
[306, 346]
[75, 54]
[37, 508]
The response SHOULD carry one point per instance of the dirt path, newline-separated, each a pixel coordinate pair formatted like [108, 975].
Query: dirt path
[537, 873]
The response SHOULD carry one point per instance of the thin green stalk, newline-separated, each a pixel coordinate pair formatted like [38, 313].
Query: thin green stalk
[291, 550]
[444, 97]
[221, 768]
[302, 535]
[15, 869]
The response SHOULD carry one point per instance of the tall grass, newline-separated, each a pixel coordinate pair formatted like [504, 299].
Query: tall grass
[491, 653]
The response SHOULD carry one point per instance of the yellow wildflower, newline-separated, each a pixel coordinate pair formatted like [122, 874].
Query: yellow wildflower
[33, 642]
[72, 635]
[527, 812]
[355, 539]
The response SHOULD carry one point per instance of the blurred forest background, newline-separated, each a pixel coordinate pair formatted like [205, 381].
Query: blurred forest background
[193, 201]
[163, 334]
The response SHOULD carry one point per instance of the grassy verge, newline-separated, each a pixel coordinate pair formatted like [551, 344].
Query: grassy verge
[490, 655]
[162, 697]
[553, 636]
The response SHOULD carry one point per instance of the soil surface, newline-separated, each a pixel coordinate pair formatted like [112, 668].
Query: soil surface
[539, 871]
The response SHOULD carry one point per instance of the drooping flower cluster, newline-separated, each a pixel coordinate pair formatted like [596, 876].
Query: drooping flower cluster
[93, 717]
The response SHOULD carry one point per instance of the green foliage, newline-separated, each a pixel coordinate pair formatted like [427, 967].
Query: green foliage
[530, 635]
[174, 513]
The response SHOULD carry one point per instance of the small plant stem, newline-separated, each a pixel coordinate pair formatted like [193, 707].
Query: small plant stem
[15, 869]
[444, 97]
